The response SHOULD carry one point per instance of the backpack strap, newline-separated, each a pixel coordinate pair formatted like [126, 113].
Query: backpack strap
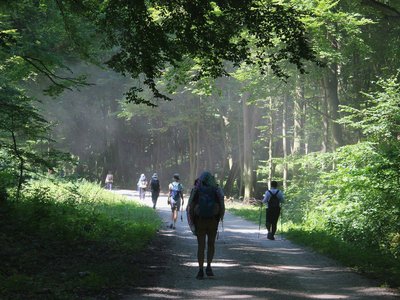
[272, 194]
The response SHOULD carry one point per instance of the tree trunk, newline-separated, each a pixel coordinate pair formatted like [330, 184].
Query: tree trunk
[298, 115]
[331, 92]
[227, 148]
[271, 143]
[325, 123]
[247, 151]
[21, 164]
[284, 140]
[251, 116]
[240, 159]
[233, 174]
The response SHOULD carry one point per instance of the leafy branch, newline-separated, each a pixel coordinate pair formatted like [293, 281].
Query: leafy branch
[40, 66]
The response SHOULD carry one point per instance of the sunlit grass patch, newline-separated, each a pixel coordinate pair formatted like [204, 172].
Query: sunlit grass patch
[247, 212]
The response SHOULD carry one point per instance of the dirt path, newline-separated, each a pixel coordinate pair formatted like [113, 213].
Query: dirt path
[246, 267]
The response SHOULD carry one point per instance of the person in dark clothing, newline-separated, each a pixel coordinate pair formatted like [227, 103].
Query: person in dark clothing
[155, 189]
[273, 199]
[205, 209]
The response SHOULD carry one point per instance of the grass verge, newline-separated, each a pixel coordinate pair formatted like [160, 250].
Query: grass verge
[367, 261]
[71, 241]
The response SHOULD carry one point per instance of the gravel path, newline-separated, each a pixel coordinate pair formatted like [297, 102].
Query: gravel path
[246, 266]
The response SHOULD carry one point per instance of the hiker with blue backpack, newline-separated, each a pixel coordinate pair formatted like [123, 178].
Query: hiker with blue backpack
[273, 199]
[175, 199]
[205, 209]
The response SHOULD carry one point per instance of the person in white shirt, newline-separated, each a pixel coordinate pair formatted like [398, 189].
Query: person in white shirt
[273, 200]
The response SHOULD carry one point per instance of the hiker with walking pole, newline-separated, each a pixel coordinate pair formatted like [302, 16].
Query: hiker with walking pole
[273, 199]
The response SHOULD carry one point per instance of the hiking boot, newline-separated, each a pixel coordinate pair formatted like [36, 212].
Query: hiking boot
[200, 274]
[209, 271]
[171, 226]
[270, 236]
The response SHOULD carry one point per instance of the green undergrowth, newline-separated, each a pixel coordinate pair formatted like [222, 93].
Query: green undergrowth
[65, 240]
[368, 261]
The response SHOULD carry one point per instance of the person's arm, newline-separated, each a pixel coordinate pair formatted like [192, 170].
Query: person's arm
[282, 197]
[169, 194]
[221, 199]
[191, 203]
[266, 197]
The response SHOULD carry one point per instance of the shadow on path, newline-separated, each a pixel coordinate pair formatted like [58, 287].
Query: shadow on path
[247, 266]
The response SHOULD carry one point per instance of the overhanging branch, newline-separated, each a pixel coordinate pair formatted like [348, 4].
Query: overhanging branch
[387, 10]
[43, 69]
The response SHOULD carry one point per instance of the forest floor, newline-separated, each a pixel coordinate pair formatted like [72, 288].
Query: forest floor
[246, 266]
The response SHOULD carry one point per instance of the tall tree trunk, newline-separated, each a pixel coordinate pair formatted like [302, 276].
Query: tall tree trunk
[331, 92]
[240, 159]
[325, 124]
[193, 162]
[298, 115]
[271, 143]
[20, 166]
[194, 144]
[284, 141]
[247, 151]
[227, 148]
[230, 181]
[251, 116]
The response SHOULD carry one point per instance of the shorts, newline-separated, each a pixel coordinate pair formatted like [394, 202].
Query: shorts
[175, 205]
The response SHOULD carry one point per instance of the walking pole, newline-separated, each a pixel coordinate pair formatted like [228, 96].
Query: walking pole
[259, 221]
[281, 223]
[222, 224]
[181, 212]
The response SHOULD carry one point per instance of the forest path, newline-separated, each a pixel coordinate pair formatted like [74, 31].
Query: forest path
[246, 266]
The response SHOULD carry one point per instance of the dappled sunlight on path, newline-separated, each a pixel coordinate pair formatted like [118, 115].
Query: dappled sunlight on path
[247, 266]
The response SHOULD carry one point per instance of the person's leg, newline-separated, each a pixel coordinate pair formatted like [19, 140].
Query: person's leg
[212, 227]
[175, 215]
[156, 194]
[201, 244]
[275, 217]
[172, 216]
[268, 221]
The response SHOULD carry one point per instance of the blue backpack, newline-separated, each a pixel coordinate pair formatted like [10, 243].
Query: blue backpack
[176, 191]
[208, 202]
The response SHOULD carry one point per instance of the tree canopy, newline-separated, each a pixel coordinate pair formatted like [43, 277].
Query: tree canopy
[151, 36]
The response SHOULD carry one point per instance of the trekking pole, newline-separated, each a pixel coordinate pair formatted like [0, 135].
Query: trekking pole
[280, 232]
[181, 212]
[222, 224]
[259, 221]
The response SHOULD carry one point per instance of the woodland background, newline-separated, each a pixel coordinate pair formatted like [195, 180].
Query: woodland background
[88, 87]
